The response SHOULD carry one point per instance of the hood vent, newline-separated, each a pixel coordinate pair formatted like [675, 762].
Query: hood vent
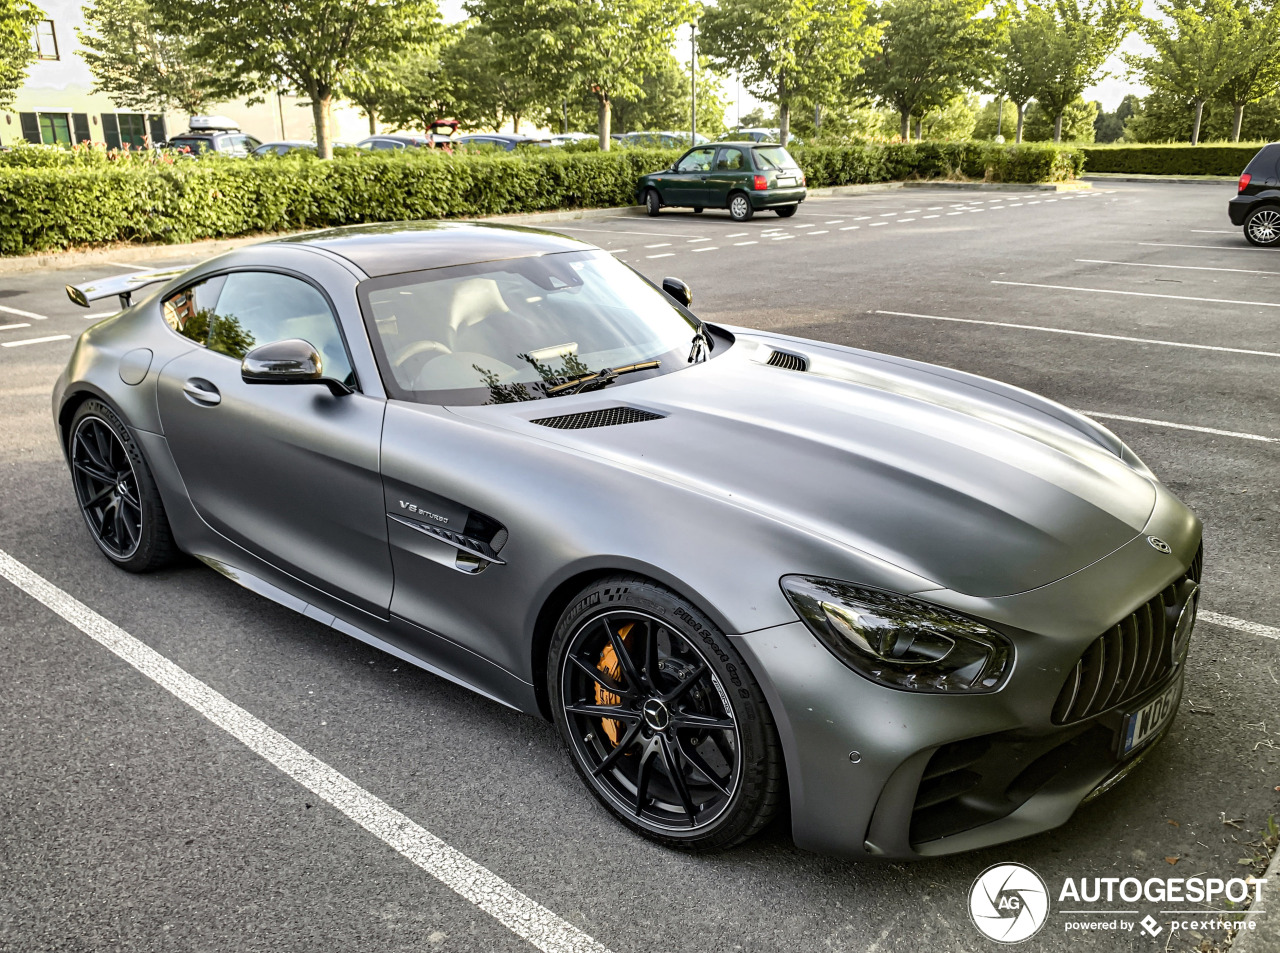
[788, 361]
[605, 417]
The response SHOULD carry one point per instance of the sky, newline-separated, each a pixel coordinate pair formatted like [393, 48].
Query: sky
[1109, 92]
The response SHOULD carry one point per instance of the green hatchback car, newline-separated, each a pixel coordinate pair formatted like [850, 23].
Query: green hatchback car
[744, 177]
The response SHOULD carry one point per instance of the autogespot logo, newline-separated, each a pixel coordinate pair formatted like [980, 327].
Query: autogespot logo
[1009, 903]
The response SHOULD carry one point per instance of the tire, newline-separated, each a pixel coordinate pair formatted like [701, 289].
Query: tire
[740, 209]
[116, 493]
[697, 210]
[704, 713]
[1262, 227]
[786, 211]
[652, 203]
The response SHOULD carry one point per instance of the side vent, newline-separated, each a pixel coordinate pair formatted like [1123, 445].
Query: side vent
[607, 417]
[788, 361]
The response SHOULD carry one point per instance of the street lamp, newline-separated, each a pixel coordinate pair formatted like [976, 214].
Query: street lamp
[693, 83]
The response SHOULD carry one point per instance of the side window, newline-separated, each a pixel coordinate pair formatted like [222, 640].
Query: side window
[190, 310]
[699, 160]
[260, 307]
[731, 160]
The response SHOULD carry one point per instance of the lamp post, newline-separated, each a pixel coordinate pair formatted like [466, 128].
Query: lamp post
[693, 83]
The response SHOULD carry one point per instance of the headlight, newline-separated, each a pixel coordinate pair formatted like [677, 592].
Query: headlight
[901, 642]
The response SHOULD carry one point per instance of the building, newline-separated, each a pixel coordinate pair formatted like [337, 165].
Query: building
[56, 105]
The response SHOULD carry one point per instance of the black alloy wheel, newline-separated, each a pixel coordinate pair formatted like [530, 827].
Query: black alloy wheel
[117, 495]
[1262, 227]
[651, 727]
[652, 202]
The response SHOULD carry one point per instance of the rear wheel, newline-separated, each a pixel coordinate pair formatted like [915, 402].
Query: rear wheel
[740, 209]
[697, 209]
[652, 202]
[664, 721]
[786, 211]
[1262, 227]
[117, 495]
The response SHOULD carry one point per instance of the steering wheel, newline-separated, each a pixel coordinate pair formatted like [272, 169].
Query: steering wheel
[416, 349]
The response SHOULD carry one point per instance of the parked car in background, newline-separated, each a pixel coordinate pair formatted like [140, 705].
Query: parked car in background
[399, 140]
[744, 177]
[566, 138]
[283, 147]
[214, 135]
[661, 140]
[758, 135]
[1256, 206]
[499, 140]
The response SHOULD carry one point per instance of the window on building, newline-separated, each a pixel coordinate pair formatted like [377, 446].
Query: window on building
[55, 129]
[44, 40]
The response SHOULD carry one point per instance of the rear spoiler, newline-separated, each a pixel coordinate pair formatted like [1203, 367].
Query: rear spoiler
[121, 285]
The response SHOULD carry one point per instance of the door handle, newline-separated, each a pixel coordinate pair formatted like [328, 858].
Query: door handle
[201, 391]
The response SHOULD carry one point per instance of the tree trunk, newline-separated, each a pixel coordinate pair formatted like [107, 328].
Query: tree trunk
[784, 121]
[1235, 123]
[1195, 123]
[920, 129]
[1017, 136]
[1057, 127]
[604, 114]
[373, 122]
[321, 100]
[904, 125]
[515, 124]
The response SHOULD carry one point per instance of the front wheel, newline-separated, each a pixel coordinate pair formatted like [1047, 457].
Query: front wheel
[663, 719]
[740, 209]
[117, 495]
[652, 203]
[786, 211]
[1262, 227]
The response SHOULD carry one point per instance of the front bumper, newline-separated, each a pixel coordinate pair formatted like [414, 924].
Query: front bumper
[769, 198]
[879, 772]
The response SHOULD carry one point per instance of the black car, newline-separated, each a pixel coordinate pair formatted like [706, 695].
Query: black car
[1256, 206]
[503, 141]
[198, 142]
[397, 141]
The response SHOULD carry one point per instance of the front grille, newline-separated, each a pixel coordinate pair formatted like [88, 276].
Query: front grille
[788, 361]
[1129, 658]
[608, 417]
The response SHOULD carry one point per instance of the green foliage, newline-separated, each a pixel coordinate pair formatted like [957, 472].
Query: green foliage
[1165, 118]
[985, 125]
[1110, 126]
[17, 19]
[953, 120]
[489, 90]
[929, 51]
[94, 199]
[663, 103]
[1180, 159]
[140, 65]
[789, 50]
[1077, 122]
[309, 46]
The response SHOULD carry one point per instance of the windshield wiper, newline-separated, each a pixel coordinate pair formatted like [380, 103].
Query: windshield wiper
[601, 378]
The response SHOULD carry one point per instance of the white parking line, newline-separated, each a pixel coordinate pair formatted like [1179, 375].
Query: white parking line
[659, 245]
[740, 234]
[52, 337]
[617, 251]
[1229, 622]
[874, 224]
[24, 314]
[710, 248]
[1148, 264]
[12, 327]
[849, 228]
[523, 916]
[955, 213]
[1269, 251]
[1014, 205]
[1140, 294]
[753, 242]
[862, 218]
[887, 214]
[121, 264]
[834, 221]
[901, 220]
[665, 254]
[617, 231]
[1086, 334]
[782, 238]
[930, 216]
[819, 232]
[911, 211]
[1166, 423]
[1213, 231]
[799, 226]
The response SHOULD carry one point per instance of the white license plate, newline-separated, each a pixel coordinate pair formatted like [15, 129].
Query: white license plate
[787, 180]
[1150, 718]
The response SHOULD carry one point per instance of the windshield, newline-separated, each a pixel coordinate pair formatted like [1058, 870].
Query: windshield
[499, 332]
[775, 157]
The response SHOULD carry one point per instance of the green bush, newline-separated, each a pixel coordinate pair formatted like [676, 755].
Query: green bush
[49, 201]
[1217, 159]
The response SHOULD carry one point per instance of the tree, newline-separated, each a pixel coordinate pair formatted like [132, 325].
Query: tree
[309, 46]
[1021, 52]
[662, 104]
[140, 65]
[417, 88]
[953, 120]
[487, 89]
[1074, 124]
[1257, 62]
[602, 46]
[929, 51]
[789, 50]
[998, 117]
[1194, 48]
[1080, 36]
[17, 19]
[374, 92]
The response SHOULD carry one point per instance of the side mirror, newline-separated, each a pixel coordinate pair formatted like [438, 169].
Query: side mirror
[292, 361]
[678, 290]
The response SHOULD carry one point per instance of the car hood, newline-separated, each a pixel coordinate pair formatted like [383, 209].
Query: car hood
[978, 487]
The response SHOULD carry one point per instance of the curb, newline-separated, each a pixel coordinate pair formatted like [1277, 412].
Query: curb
[1174, 179]
[1264, 939]
[1073, 186]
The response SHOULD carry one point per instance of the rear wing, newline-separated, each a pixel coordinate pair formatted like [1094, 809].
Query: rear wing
[121, 285]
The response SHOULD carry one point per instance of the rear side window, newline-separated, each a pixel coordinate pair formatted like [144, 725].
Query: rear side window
[731, 160]
[190, 310]
[775, 157]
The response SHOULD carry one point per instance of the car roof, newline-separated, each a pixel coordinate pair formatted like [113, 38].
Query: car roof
[391, 248]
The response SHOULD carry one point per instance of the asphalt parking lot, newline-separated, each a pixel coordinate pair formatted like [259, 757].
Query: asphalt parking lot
[131, 821]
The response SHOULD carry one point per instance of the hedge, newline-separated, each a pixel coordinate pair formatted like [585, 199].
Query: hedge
[56, 201]
[1217, 159]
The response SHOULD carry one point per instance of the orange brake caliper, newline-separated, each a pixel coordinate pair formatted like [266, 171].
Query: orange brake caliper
[611, 665]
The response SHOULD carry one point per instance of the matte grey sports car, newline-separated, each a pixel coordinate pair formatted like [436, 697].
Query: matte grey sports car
[935, 611]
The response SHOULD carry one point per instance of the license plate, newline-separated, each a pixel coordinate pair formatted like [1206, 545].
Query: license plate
[787, 180]
[1147, 721]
